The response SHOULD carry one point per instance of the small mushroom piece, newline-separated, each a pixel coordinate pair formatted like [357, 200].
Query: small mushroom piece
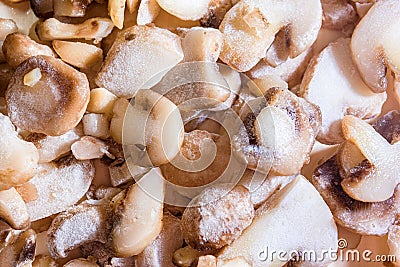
[42, 8]
[216, 218]
[101, 101]
[15, 172]
[53, 147]
[250, 26]
[336, 15]
[116, 10]
[117, 121]
[13, 209]
[138, 215]
[373, 50]
[89, 148]
[55, 104]
[216, 12]
[7, 26]
[138, 54]
[70, 8]
[148, 11]
[84, 223]
[160, 252]
[313, 229]
[18, 47]
[59, 185]
[378, 182]
[260, 86]
[153, 123]
[80, 55]
[96, 125]
[330, 76]
[185, 257]
[184, 9]
[94, 28]
[21, 252]
[81, 263]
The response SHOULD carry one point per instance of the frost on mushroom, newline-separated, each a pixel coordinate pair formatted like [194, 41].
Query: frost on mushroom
[249, 29]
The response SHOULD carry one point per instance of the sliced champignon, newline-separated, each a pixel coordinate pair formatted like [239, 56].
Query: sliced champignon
[330, 76]
[196, 165]
[54, 104]
[94, 28]
[15, 172]
[53, 147]
[42, 8]
[272, 130]
[80, 55]
[138, 54]
[138, 215]
[148, 12]
[380, 176]
[18, 47]
[375, 50]
[290, 71]
[21, 252]
[59, 185]
[160, 252]
[364, 218]
[153, 129]
[295, 218]
[185, 9]
[216, 12]
[70, 8]
[337, 14]
[13, 209]
[87, 222]
[217, 217]
[249, 29]
[116, 10]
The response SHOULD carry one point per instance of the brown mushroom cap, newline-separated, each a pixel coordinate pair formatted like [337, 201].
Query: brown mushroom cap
[373, 218]
[55, 104]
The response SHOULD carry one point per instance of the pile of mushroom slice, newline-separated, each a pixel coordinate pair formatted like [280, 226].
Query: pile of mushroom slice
[174, 133]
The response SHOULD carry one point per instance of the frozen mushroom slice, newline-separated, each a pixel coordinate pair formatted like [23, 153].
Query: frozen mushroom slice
[59, 185]
[249, 29]
[88, 147]
[337, 14]
[138, 54]
[330, 76]
[94, 28]
[375, 50]
[116, 10]
[185, 9]
[13, 209]
[54, 104]
[378, 177]
[15, 172]
[21, 252]
[87, 222]
[313, 229]
[148, 12]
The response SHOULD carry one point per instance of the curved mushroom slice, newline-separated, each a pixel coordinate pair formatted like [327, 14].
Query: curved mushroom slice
[153, 129]
[185, 9]
[364, 218]
[53, 103]
[116, 9]
[160, 252]
[13, 209]
[291, 71]
[138, 54]
[349, 156]
[377, 180]
[312, 229]
[59, 185]
[249, 29]
[52, 147]
[94, 28]
[373, 50]
[15, 172]
[217, 217]
[78, 225]
[21, 252]
[337, 14]
[278, 52]
[148, 11]
[330, 76]
[138, 215]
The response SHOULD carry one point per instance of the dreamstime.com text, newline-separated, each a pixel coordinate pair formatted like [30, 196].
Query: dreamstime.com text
[342, 254]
